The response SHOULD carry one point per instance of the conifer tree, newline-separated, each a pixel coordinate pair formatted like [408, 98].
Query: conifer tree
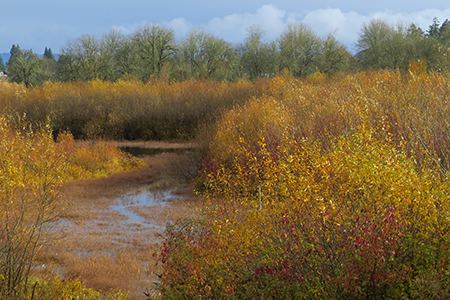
[15, 52]
[2, 65]
[49, 54]
[24, 66]
[433, 29]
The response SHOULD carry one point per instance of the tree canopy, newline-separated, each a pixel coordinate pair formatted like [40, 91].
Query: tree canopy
[24, 66]
[152, 51]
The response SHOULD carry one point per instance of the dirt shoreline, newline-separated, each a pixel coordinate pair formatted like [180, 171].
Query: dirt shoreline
[101, 246]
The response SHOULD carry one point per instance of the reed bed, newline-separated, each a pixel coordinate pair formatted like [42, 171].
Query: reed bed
[129, 110]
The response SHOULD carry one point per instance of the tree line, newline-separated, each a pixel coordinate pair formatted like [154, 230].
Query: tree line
[152, 51]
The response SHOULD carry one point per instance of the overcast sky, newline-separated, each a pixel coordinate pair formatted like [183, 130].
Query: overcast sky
[37, 24]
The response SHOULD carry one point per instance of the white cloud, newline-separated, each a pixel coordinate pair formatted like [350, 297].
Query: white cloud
[180, 27]
[58, 23]
[346, 26]
[273, 20]
[130, 29]
[233, 27]
[122, 29]
[422, 18]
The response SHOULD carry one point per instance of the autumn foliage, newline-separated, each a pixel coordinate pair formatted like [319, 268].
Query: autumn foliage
[33, 168]
[322, 188]
[313, 188]
[127, 109]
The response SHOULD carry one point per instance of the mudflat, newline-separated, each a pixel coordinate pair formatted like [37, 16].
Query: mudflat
[112, 226]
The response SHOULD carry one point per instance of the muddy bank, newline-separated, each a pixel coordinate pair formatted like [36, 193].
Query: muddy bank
[113, 224]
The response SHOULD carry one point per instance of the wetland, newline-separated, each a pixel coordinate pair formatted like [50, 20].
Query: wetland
[113, 224]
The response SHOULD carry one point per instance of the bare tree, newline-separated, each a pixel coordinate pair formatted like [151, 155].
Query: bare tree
[299, 46]
[80, 59]
[256, 54]
[208, 56]
[154, 46]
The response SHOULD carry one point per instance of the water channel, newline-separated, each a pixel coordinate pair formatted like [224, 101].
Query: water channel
[141, 151]
[139, 209]
[115, 223]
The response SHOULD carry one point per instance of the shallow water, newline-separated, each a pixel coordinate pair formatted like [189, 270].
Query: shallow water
[107, 235]
[138, 212]
[141, 151]
[145, 200]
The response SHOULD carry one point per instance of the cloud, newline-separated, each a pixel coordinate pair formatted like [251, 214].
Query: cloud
[348, 25]
[54, 28]
[129, 29]
[180, 26]
[233, 27]
[345, 25]
[273, 20]
[422, 18]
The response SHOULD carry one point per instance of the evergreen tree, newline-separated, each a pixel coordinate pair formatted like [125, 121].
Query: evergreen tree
[415, 31]
[24, 66]
[444, 32]
[433, 29]
[49, 54]
[15, 52]
[2, 65]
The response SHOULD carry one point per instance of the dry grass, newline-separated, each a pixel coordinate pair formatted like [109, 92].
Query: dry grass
[101, 245]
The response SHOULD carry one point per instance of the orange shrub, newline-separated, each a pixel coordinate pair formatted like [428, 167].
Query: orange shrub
[33, 168]
[127, 109]
[323, 189]
[95, 159]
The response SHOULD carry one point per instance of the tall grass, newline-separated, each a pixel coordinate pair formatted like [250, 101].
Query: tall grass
[127, 109]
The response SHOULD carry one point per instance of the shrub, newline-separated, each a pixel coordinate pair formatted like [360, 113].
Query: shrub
[127, 109]
[323, 189]
[32, 169]
[54, 288]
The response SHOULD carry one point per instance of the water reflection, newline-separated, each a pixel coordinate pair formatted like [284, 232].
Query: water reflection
[135, 207]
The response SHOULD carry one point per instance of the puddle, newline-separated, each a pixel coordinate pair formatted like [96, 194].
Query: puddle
[138, 211]
[135, 207]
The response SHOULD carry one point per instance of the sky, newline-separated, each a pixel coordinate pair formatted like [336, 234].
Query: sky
[36, 24]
